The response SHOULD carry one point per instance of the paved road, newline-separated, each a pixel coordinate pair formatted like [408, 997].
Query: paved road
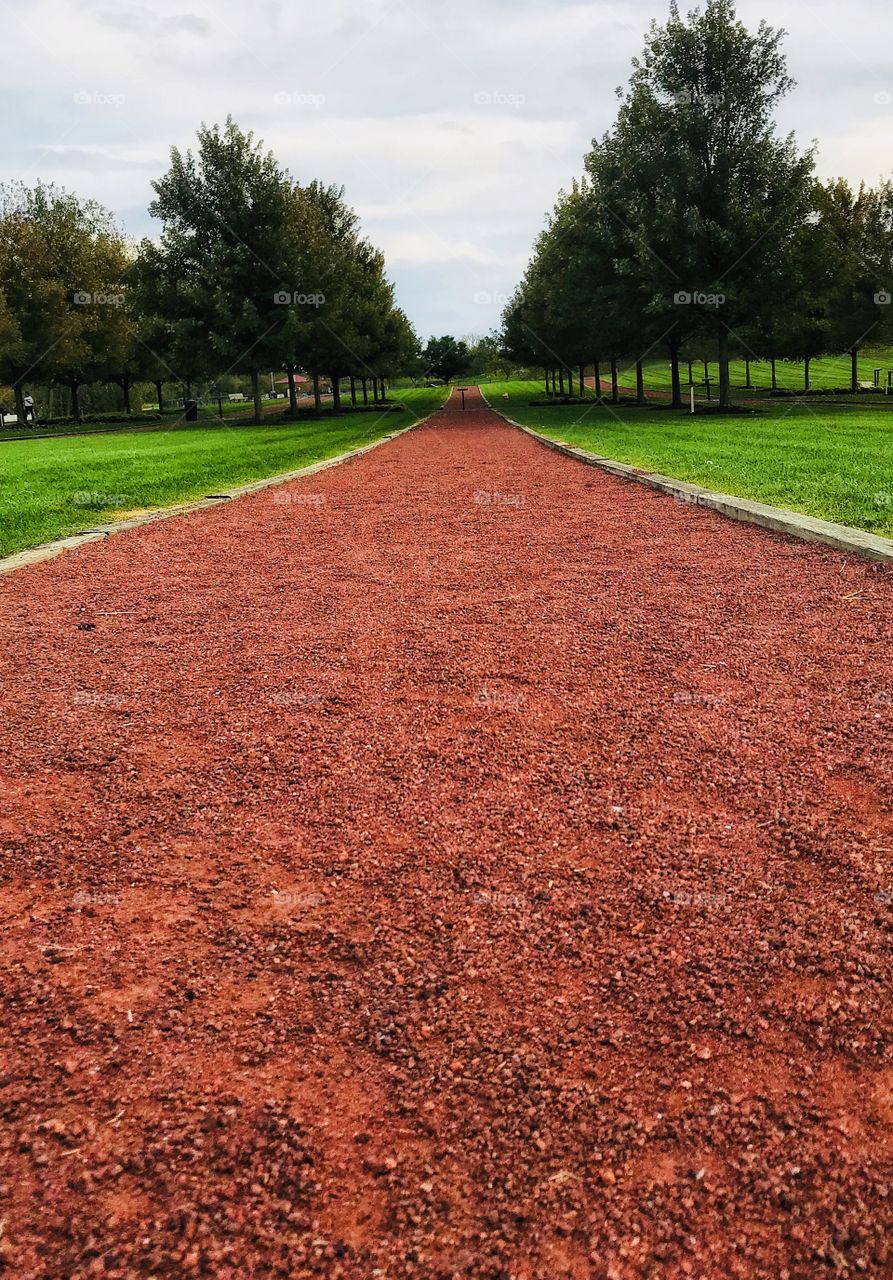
[457, 863]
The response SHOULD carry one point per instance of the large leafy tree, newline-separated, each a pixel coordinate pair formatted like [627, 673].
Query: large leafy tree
[723, 198]
[855, 235]
[227, 256]
[631, 308]
[522, 322]
[11, 344]
[397, 349]
[342, 331]
[446, 357]
[63, 275]
[486, 357]
[568, 310]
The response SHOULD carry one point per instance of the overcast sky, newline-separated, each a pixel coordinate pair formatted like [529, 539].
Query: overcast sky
[452, 128]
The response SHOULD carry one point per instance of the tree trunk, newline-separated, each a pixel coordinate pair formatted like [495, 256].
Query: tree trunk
[675, 387]
[317, 398]
[336, 393]
[76, 401]
[292, 392]
[374, 381]
[256, 396]
[615, 389]
[582, 381]
[806, 360]
[365, 391]
[854, 369]
[570, 383]
[382, 391]
[596, 378]
[19, 393]
[725, 397]
[640, 383]
[125, 387]
[747, 374]
[159, 391]
[547, 381]
[560, 381]
[774, 374]
[353, 390]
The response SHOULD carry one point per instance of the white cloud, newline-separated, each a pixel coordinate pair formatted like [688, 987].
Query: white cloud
[117, 154]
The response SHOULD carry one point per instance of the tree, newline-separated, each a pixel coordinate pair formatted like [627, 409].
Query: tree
[12, 347]
[446, 357]
[397, 351]
[522, 323]
[342, 332]
[712, 199]
[486, 358]
[63, 269]
[227, 255]
[856, 235]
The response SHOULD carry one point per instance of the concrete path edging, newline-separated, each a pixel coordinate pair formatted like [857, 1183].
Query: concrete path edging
[50, 550]
[842, 537]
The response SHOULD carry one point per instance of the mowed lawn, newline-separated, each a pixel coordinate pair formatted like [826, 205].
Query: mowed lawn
[51, 488]
[825, 373]
[171, 419]
[833, 461]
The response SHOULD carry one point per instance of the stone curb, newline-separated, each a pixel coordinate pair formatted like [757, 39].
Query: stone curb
[49, 550]
[842, 537]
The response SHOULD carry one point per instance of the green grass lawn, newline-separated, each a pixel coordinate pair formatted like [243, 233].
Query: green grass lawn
[172, 418]
[828, 460]
[50, 488]
[825, 373]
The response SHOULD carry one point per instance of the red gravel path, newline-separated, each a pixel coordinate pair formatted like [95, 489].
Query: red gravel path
[476, 867]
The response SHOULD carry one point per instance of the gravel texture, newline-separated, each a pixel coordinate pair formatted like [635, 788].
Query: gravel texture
[457, 864]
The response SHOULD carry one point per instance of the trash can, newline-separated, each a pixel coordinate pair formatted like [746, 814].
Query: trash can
[190, 410]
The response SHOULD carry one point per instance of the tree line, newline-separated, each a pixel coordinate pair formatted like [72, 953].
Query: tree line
[252, 272]
[697, 226]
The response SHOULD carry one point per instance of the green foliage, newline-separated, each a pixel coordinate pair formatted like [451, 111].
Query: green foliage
[446, 357]
[63, 284]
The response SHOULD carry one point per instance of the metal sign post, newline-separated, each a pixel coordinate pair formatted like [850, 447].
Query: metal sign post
[462, 391]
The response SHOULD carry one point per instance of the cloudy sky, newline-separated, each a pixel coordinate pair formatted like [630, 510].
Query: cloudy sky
[451, 127]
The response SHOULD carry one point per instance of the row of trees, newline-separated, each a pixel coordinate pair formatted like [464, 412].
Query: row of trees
[696, 223]
[252, 272]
